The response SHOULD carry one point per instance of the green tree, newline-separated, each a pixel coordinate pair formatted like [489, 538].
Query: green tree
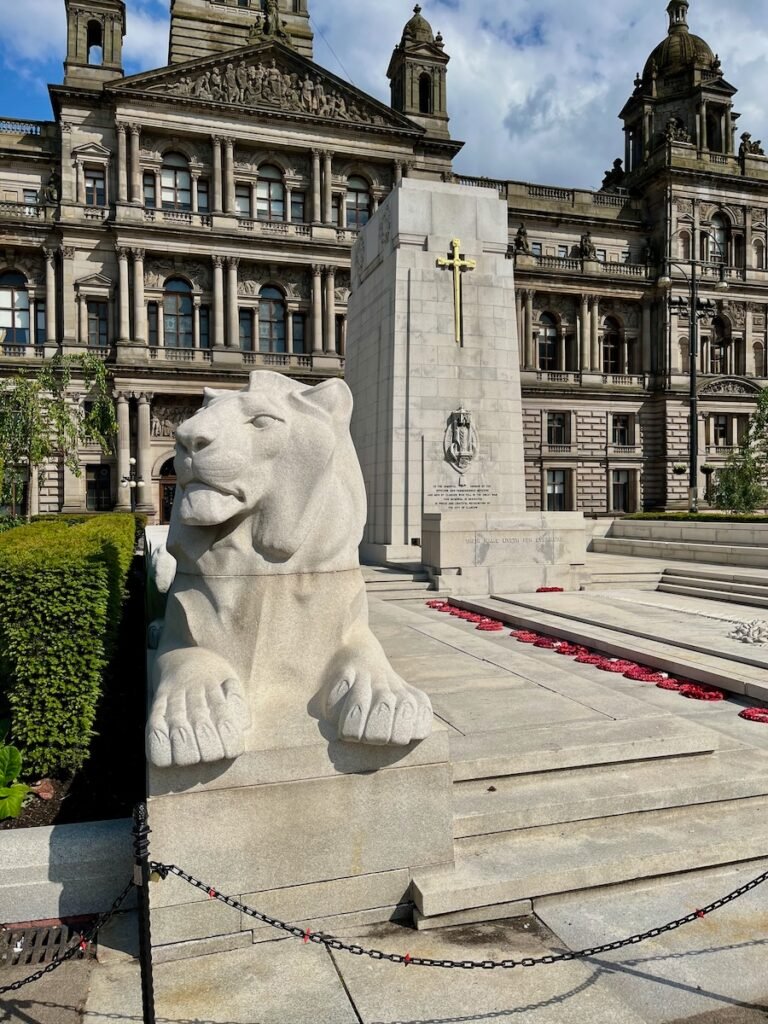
[742, 485]
[40, 421]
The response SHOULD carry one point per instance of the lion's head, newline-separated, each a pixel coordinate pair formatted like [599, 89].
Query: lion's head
[272, 463]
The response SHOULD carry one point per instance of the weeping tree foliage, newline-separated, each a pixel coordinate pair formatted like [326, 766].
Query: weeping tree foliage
[40, 420]
[742, 485]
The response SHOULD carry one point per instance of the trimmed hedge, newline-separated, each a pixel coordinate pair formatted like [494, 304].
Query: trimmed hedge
[61, 592]
[697, 517]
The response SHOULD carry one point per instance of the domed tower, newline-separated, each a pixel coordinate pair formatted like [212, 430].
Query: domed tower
[681, 97]
[417, 74]
[95, 30]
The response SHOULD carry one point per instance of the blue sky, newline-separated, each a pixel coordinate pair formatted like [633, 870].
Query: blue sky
[534, 87]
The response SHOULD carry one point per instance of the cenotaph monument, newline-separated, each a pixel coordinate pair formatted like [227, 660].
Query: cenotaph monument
[433, 365]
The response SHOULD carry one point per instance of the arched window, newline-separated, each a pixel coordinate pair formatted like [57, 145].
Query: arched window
[271, 320]
[358, 203]
[547, 342]
[759, 258]
[611, 346]
[425, 94]
[176, 182]
[177, 314]
[685, 245]
[95, 43]
[759, 353]
[270, 194]
[719, 239]
[14, 309]
[718, 347]
[684, 355]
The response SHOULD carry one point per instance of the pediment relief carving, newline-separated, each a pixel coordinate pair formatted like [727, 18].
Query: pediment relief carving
[157, 272]
[270, 78]
[730, 386]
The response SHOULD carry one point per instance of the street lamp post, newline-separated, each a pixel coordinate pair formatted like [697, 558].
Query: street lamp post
[697, 311]
[133, 482]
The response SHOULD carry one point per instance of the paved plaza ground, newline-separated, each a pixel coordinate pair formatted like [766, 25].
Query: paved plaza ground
[486, 690]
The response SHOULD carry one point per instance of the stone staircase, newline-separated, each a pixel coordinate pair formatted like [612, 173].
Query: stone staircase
[405, 582]
[742, 545]
[737, 588]
[537, 814]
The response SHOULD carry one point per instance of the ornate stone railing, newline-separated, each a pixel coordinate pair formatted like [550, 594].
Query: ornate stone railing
[12, 126]
[625, 269]
[565, 195]
[624, 450]
[625, 380]
[177, 218]
[181, 355]
[610, 198]
[281, 359]
[558, 449]
[95, 212]
[558, 376]
[558, 263]
[475, 182]
[31, 211]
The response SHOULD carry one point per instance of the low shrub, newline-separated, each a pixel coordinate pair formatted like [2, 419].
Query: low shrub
[61, 593]
[697, 517]
[11, 522]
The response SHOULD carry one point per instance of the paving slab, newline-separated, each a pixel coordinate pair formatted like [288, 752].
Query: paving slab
[56, 998]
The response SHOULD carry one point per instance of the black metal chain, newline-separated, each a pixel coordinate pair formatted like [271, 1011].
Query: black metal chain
[77, 945]
[320, 938]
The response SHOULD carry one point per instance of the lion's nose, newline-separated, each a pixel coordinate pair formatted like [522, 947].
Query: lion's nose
[193, 439]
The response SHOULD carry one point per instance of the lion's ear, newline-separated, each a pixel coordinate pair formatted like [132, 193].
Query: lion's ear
[211, 395]
[333, 397]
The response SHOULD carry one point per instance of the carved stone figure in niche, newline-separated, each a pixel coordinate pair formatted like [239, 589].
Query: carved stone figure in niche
[587, 246]
[521, 241]
[460, 440]
[675, 131]
[750, 148]
[267, 615]
[51, 191]
[614, 178]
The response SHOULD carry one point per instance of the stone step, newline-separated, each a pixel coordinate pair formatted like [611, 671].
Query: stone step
[489, 755]
[711, 594]
[524, 802]
[720, 574]
[514, 866]
[683, 551]
[705, 581]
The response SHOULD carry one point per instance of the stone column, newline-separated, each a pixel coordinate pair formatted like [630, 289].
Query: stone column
[327, 188]
[122, 164]
[317, 215]
[196, 303]
[80, 171]
[34, 491]
[317, 310]
[124, 321]
[144, 501]
[645, 365]
[66, 162]
[218, 302]
[82, 304]
[288, 201]
[343, 340]
[50, 298]
[229, 176]
[398, 173]
[139, 305]
[625, 354]
[135, 165]
[69, 333]
[595, 336]
[123, 452]
[288, 330]
[530, 356]
[195, 179]
[584, 335]
[217, 174]
[233, 324]
[330, 310]
[158, 189]
[561, 352]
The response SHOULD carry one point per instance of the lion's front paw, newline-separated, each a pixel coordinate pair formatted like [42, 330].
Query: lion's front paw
[377, 709]
[193, 721]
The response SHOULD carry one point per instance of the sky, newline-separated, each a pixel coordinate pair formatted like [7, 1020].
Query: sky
[534, 88]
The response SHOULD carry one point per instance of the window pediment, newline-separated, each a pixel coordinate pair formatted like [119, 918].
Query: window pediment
[91, 151]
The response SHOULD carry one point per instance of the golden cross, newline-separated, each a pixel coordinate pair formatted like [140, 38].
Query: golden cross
[458, 264]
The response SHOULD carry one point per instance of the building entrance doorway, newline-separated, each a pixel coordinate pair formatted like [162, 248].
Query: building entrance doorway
[167, 490]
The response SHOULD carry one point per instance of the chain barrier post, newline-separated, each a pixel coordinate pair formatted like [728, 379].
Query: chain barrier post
[141, 871]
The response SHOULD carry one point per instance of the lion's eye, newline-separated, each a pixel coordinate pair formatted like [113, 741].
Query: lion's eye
[262, 421]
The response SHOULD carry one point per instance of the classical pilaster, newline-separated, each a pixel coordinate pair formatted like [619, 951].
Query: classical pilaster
[217, 175]
[196, 302]
[233, 320]
[530, 355]
[229, 176]
[317, 214]
[122, 164]
[124, 315]
[327, 188]
[144, 502]
[69, 334]
[136, 196]
[123, 451]
[82, 316]
[139, 305]
[584, 335]
[50, 300]
[317, 310]
[645, 342]
[330, 310]
[398, 173]
[218, 301]
[519, 320]
[595, 335]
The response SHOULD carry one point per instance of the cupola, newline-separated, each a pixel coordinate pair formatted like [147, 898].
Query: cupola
[417, 74]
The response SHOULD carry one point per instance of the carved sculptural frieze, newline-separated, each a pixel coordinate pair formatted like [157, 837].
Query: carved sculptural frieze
[167, 417]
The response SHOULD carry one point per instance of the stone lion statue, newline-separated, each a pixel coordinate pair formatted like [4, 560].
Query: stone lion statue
[267, 607]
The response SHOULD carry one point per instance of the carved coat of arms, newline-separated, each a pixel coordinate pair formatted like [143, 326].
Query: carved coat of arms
[460, 440]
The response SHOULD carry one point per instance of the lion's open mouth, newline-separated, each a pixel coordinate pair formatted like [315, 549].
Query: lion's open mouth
[204, 504]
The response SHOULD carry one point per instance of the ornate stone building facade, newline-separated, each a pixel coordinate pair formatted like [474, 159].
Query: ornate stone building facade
[193, 222]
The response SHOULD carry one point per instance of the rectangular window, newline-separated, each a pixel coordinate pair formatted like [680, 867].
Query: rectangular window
[150, 198]
[601, 255]
[243, 200]
[40, 322]
[622, 431]
[246, 330]
[536, 248]
[299, 334]
[152, 324]
[98, 488]
[298, 207]
[558, 428]
[336, 209]
[205, 327]
[742, 426]
[562, 251]
[30, 201]
[720, 430]
[95, 186]
[556, 490]
[98, 321]
[203, 193]
[626, 256]
[621, 490]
